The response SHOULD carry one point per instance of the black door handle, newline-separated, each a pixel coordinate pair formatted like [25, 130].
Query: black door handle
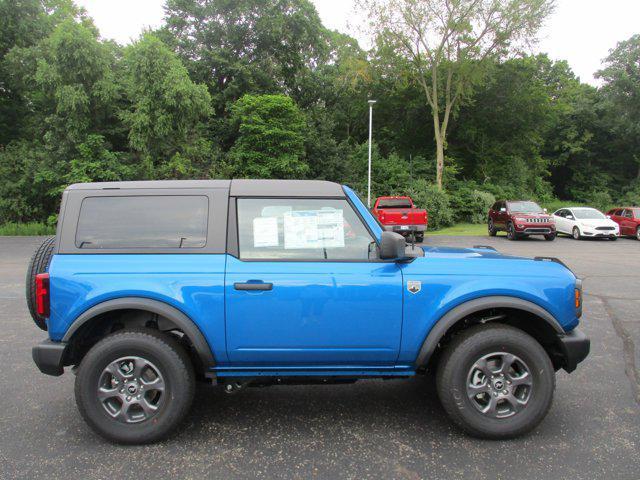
[253, 286]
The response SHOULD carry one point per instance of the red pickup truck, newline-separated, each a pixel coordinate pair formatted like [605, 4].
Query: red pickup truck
[399, 214]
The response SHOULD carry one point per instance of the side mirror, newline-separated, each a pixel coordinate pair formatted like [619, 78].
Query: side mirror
[544, 210]
[609, 217]
[503, 209]
[392, 246]
[569, 217]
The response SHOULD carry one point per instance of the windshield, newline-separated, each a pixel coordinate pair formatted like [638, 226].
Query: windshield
[524, 207]
[636, 212]
[394, 203]
[588, 214]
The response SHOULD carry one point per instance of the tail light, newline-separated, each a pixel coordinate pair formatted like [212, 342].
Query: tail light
[42, 294]
[577, 295]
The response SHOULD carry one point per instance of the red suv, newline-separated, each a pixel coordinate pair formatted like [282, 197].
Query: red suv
[628, 218]
[520, 218]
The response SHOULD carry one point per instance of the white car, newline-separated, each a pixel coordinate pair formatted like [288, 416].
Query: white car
[584, 222]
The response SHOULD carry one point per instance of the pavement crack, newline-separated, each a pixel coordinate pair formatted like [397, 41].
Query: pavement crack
[628, 348]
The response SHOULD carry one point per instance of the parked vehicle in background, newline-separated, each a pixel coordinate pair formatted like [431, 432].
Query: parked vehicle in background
[520, 218]
[400, 215]
[580, 222]
[148, 286]
[628, 218]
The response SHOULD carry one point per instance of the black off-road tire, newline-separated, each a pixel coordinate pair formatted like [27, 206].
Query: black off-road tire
[461, 355]
[550, 237]
[511, 232]
[39, 263]
[165, 353]
[491, 228]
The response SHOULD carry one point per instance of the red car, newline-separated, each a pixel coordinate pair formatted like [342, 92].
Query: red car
[520, 218]
[628, 218]
[399, 214]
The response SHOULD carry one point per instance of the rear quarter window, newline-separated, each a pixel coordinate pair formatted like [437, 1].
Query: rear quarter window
[146, 221]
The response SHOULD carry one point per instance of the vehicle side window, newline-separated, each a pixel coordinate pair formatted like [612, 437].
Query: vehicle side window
[301, 229]
[149, 221]
[562, 213]
[618, 213]
[628, 214]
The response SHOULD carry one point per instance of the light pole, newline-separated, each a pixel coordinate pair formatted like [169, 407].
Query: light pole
[371, 102]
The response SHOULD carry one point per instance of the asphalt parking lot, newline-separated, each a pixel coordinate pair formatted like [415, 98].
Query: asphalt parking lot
[373, 429]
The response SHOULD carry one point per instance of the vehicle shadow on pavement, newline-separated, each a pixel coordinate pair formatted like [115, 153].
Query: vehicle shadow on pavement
[378, 404]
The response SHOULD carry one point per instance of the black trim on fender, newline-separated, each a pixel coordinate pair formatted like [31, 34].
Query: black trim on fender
[49, 357]
[575, 347]
[182, 321]
[461, 311]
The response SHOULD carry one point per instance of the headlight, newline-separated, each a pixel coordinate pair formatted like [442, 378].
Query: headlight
[519, 219]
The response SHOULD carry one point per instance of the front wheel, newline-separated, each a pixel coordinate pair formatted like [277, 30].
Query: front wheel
[135, 386]
[495, 381]
[550, 237]
[576, 233]
[511, 232]
[638, 233]
[491, 228]
[419, 237]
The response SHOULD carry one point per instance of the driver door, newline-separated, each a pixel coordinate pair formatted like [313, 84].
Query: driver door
[305, 287]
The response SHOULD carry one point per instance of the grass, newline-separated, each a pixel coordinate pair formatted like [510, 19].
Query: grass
[462, 229]
[19, 229]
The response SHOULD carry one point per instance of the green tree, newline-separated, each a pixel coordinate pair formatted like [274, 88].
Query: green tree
[270, 142]
[165, 112]
[621, 90]
[443, 45]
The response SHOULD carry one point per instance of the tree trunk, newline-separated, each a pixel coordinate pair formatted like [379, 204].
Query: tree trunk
[439, 150]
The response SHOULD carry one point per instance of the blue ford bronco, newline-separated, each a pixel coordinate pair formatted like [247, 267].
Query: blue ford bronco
[148, 287]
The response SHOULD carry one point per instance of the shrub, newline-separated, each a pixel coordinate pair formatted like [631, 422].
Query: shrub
[435, 201]
[598, 199]
[469, 204]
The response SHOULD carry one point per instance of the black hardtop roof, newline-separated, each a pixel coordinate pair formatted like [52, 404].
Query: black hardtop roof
[237, 188]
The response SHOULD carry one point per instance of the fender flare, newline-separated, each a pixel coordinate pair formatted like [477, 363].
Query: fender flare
[465, 309]
[181, 320]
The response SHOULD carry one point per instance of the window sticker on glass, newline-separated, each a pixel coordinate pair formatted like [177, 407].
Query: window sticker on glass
[313, 229]
[265, 232]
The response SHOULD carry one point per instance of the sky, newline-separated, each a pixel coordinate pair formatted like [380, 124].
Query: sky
[579, 31]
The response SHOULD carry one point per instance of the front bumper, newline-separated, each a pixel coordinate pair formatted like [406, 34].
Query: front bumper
[49, 357]
[535, 229]
[575, 347]
[405, 228]
[592, 232]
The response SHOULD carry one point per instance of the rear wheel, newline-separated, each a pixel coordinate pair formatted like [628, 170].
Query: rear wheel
[419, 237]
[135, 386]
[576, 233]
[39, 263]
[495, 381]
[491, 228]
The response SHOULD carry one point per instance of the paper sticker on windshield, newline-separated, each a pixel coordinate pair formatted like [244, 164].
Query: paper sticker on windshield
[313, 229]
[265, 232]
[414, 286]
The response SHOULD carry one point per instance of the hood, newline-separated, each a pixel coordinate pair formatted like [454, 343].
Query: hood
[597, 222]
[459, 252]
[532, 215]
